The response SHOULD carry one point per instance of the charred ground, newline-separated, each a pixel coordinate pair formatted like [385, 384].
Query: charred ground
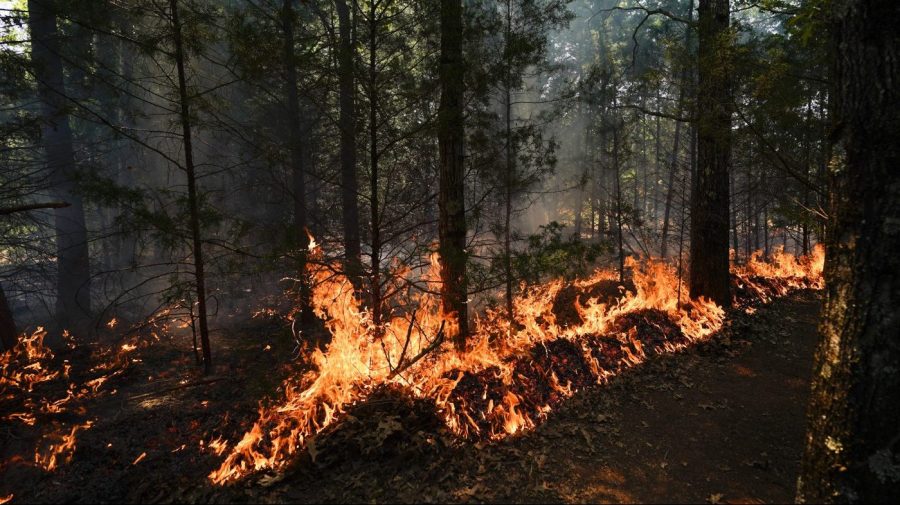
[722, 420]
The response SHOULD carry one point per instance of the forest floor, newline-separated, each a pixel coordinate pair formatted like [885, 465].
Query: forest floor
[720, 422]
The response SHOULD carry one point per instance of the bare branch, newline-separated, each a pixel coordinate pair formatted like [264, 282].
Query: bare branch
[5, 211]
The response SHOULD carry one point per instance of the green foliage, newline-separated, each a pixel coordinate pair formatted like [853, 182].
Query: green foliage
[553, 253]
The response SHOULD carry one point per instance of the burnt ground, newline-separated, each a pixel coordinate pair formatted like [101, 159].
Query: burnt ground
[722, 421]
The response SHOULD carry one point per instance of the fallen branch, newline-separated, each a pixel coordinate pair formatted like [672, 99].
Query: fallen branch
[207, 380]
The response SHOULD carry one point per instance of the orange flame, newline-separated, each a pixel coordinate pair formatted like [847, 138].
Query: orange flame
[60, 449]
[358, 359]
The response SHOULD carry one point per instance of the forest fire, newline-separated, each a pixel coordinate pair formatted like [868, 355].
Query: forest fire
[511, 374]
[58, 447]
[36, 386]
[27, 364]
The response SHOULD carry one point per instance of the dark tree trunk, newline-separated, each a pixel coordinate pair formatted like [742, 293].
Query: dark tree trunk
[853, 442]
[735, 243]
[510, 174]
[620, 241]
[347, 123]
[373, 176]
[73, 304]
[451, 202]
[709, 275]
[9, 337]
[603, 189]
[194, 218]
[578, 208]
[297, 158]
[751, 213]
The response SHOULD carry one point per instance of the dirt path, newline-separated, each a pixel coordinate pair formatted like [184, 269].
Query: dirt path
[723, 422]
[720, 428]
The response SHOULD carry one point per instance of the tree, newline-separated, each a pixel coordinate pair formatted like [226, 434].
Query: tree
[853, 441]
[684, 78]
[347, 120]
[451, 194]
[8, 334]
[709, 268]
[190, 171]
[521, 32]
[73, 263]
[296, 158]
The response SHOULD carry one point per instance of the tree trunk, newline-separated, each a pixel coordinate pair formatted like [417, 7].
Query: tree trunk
[296, 146]
[194, 218]
[373, 158]
[618, 186]
[510, 171]
[347, 124]
[9, 337]
[673, 168]
[578, 208]
[451, 202]
[73, 304]
[735, 243]
[670, 188]
[709, 275]
[602, 188]
[751, 213]
[853, 442]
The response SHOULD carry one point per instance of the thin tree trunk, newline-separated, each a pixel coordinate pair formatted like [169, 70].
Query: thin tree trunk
[807, 159]
[373, 176]
[670, 188]
[751, 213]
[73, 306]
[709, 269]
[578, 208]
[297, 159]
[510, 170]
[657, 166]
[637, 212]
[347, 124]
[618, 183]
[735, 244]
[452, 204]
[673, 167]
[853, 438]
[194, 218]
[602, 188]
[766, 229]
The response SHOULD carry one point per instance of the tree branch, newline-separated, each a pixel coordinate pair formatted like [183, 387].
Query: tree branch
[5, 211]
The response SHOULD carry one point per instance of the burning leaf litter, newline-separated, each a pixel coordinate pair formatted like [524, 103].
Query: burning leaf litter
[512, 374]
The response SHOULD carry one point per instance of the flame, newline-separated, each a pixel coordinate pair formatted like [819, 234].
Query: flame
[482, 392]
[762, 279]
[27, 363]
[60, 449]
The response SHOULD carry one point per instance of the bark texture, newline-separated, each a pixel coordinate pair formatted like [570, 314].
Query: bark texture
[853, 445]
[709, 201]
[451, 198]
